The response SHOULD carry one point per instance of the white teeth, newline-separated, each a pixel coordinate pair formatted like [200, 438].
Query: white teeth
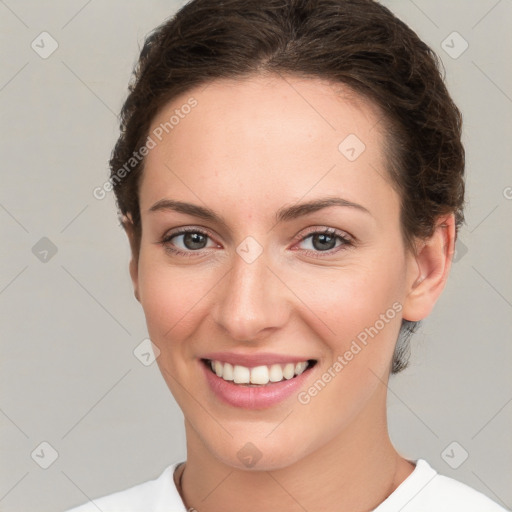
[300, 367]
[276, 373]
[227, 373]
[241, 374]
[288, 371]
[218, 367]
[259, 375]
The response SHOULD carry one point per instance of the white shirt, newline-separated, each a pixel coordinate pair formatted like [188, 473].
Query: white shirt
[424, 490]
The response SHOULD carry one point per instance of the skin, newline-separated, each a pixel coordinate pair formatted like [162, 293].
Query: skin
[249, 148]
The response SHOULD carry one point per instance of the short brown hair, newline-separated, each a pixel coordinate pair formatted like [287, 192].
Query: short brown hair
[358, 43]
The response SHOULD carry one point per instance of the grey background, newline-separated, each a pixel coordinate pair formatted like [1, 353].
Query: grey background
[69, 322]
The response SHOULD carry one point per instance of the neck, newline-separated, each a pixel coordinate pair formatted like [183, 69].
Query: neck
[355, 471]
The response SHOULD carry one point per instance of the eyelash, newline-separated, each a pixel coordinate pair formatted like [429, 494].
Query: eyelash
[346, 241]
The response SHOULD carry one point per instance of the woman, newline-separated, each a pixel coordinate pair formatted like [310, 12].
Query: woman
[290, 178]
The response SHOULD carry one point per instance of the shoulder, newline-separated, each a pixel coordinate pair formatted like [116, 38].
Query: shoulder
[425, 490]
[451, 495]
[151, 496]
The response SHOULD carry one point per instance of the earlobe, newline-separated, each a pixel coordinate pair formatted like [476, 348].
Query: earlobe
[129, 229]
[429, 269]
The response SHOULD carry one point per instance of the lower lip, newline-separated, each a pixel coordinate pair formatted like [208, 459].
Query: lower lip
[253, 397]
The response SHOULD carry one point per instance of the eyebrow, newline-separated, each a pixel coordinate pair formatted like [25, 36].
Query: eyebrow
[284, 214]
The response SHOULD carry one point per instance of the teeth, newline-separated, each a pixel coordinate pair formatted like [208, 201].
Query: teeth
[241, 374]
[217, 367]
[276, 373]
[300, 367]
[259, 375]
[227, 372]
[289, 371]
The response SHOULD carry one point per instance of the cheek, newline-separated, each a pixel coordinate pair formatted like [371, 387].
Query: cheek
[361, 307]
[171, 298]
[348, 301]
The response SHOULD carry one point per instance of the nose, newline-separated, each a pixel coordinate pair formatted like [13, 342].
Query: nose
[251, 301]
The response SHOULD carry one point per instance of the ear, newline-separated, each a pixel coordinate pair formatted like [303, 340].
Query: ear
[129, 229]
[428, 270]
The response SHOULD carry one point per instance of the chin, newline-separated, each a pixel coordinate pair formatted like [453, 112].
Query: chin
[258, 453]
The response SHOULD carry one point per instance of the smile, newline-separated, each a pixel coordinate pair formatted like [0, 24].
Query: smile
[261, 384]
[258, 375]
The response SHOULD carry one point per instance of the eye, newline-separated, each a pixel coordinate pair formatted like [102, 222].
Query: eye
[187, 241]
[325, 241]
[191, 241]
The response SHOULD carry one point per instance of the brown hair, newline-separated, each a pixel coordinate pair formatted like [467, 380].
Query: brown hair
[358, 43]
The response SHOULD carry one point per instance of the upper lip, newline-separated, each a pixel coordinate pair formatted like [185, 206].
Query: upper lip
[252, 360]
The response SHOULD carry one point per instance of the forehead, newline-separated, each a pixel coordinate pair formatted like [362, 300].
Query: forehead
[264, 135]
[280, 104]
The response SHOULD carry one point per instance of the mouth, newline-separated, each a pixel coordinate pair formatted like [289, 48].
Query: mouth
[255, 381]
[258, 376]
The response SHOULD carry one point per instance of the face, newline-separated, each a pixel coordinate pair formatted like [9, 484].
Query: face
[271, 244]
